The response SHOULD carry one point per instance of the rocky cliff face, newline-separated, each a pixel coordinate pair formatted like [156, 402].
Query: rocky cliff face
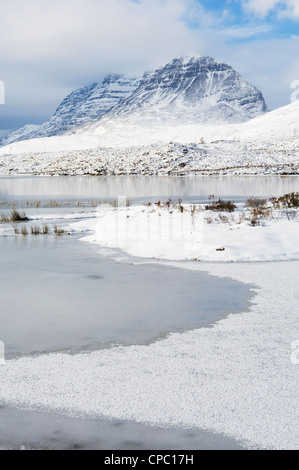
[190, 90]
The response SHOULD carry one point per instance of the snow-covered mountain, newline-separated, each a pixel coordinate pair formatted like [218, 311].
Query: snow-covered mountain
[275, 127]
[82, 106]
[190, 89]
[187, 90]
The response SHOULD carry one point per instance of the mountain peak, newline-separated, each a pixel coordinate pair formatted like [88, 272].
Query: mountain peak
[194, 88]
[195, 57]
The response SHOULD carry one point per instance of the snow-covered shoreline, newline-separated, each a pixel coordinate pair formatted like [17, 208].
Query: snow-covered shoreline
[162, 232]
[236, 378]
[177, 231]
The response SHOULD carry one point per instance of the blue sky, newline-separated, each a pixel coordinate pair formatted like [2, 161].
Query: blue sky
[52, 47]
[278, 21]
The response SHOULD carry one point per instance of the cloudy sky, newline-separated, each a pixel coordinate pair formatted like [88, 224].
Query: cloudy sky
[49, 48]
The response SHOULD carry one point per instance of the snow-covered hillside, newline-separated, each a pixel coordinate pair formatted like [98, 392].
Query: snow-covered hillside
[265, 145]
[279, 125]
[121, 144]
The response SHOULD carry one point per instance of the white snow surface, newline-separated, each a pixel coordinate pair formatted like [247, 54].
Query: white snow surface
[279, 125]
[235, 378]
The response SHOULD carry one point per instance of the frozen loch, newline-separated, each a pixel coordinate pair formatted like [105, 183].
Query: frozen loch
[105, 350]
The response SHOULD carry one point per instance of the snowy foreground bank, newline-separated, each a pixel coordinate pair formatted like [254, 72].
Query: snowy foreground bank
[191, 233]
[238, 378]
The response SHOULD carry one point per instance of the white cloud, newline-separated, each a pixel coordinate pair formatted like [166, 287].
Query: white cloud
[271, 65]
[286, 8]
[49, 48]
[58, 29]
[244, 32]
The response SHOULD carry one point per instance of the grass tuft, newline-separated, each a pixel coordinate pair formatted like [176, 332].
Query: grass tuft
[221, 206]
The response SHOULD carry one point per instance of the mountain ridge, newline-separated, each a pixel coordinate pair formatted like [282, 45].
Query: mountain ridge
[80, 107]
